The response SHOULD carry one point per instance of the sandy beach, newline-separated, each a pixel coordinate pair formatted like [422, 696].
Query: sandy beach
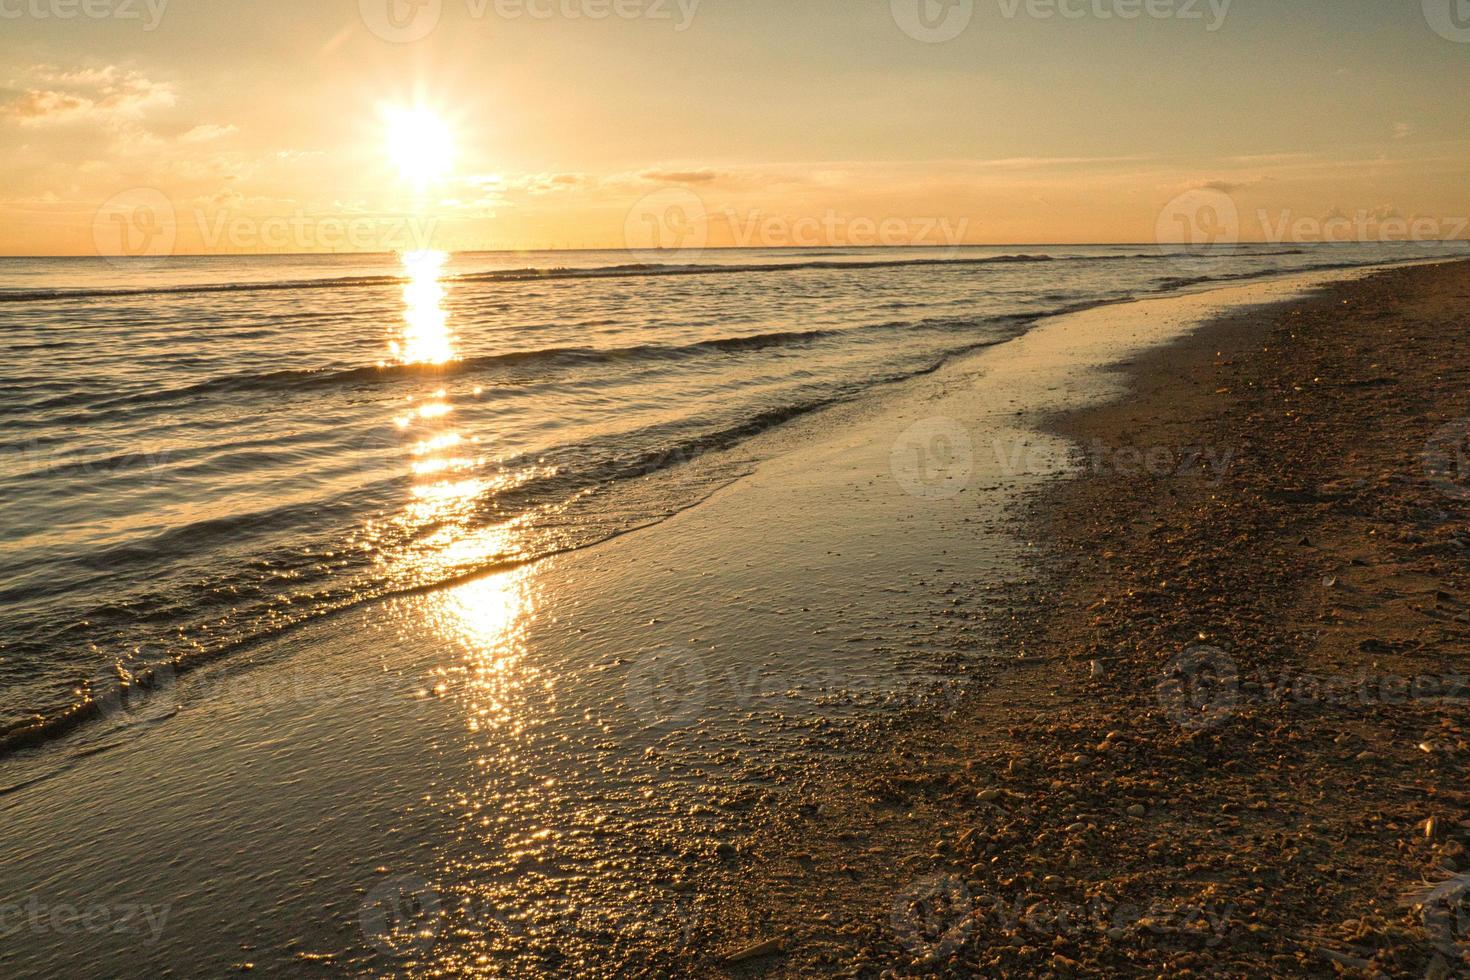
[897, 677]
[1231, 739]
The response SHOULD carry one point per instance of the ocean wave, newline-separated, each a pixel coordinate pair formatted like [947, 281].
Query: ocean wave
[619, 271]
[623, 271]
[225, 584]
[564, 473]
[365, 375]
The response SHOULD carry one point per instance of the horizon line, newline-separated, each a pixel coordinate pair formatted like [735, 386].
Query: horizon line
[736, 248]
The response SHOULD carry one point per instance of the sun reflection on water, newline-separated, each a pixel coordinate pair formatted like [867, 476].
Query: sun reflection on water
[449, 517]
[441, 460]
[461, 514]
[426, 336]
[488, 618]
[444, 513]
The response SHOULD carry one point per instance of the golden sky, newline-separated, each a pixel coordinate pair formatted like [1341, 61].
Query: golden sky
[282, 125]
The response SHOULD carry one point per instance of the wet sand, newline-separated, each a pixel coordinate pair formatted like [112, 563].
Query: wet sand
[583, 766]
[1232, 740]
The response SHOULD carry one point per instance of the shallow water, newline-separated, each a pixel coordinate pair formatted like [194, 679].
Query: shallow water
[202, 453]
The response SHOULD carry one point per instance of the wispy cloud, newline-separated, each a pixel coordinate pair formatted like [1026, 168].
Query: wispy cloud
[682, 176]
[207, 132]
[109, 96]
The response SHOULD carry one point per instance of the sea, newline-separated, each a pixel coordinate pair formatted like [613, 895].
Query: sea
[200, 453]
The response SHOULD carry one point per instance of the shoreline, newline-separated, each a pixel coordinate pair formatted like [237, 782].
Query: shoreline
[1195, 763]
[41, 730]
[722, 662]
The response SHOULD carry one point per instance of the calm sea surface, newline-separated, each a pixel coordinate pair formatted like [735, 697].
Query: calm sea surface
[199, 454]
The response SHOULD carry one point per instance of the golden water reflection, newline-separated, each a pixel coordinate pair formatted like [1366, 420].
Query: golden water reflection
[441, 459]
[515, 817]
[444, 515]
[487, 618]
[426, 336]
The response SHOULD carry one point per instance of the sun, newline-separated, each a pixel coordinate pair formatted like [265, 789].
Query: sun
[419, 143]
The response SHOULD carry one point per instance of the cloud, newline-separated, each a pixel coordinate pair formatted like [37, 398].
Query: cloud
[1402, 130]
[682, 176]
[206, 132]
[110, 96]
[550, 183]
[1231, 186]
[37, 106]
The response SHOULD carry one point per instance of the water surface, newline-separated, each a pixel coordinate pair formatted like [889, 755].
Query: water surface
[201, 453]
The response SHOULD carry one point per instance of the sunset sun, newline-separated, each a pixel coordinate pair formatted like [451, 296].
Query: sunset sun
[420, 143]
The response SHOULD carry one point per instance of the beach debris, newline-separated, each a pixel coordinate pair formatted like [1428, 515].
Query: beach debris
[1098, 670]
[755, 951]
[1137, 810]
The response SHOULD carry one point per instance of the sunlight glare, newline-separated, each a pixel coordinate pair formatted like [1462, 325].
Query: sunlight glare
[426, 336]
[419, 143]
